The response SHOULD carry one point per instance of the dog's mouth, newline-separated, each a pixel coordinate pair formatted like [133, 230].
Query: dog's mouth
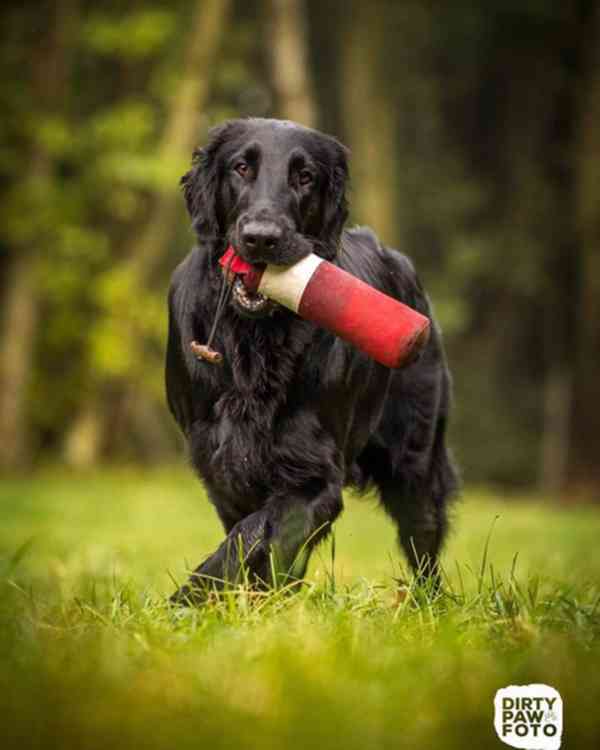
[249, 303]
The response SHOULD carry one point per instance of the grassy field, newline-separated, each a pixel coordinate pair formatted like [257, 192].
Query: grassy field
[92, 657]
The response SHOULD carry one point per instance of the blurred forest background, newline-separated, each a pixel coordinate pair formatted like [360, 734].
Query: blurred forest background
[475, 135]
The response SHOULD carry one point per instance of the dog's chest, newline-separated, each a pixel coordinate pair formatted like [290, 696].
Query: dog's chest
[255, 392]
[245, 417]
[242, 441]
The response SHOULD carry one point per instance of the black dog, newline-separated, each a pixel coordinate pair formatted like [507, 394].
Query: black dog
[293, 414]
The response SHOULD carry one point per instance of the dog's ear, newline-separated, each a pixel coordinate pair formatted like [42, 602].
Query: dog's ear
[201, 184]
[336, 204]
[199, 192]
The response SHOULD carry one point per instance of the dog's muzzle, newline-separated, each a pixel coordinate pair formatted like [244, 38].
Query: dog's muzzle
[249, 303]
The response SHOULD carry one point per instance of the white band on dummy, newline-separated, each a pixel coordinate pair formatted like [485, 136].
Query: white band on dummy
[286, 284]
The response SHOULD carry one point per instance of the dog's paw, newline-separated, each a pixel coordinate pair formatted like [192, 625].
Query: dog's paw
[188, 596]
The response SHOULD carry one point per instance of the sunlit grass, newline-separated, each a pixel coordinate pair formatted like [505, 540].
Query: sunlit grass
[92, 656]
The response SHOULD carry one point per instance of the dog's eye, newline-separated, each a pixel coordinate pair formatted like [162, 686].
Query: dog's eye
[242, 169]
[305, 177]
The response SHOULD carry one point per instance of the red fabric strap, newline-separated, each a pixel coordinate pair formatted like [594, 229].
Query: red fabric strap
[238, 265]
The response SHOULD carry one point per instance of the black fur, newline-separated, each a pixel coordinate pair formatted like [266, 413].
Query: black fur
[294, 414]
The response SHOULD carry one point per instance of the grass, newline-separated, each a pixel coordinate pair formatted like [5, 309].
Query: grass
[92, 657]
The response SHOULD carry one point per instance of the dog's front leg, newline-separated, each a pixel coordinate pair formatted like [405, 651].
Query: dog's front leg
[274, 541]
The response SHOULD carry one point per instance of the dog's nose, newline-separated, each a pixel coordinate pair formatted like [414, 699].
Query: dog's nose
[260, 239]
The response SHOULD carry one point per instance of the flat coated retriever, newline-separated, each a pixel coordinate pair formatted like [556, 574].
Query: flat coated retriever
[293, 414]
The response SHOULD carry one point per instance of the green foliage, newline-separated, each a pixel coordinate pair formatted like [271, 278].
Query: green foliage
[134, 35]
[114, 352]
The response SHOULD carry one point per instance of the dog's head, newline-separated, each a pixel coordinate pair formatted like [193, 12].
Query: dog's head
[272, 189]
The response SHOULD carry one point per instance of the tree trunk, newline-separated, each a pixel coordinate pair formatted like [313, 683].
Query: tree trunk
[20, 314]
[181, 132]
[16, 354]
[289, 57]
[554, 455]
[584, 465]
[86, 439]
[83, 442]
[369, 121]
[539, 242]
